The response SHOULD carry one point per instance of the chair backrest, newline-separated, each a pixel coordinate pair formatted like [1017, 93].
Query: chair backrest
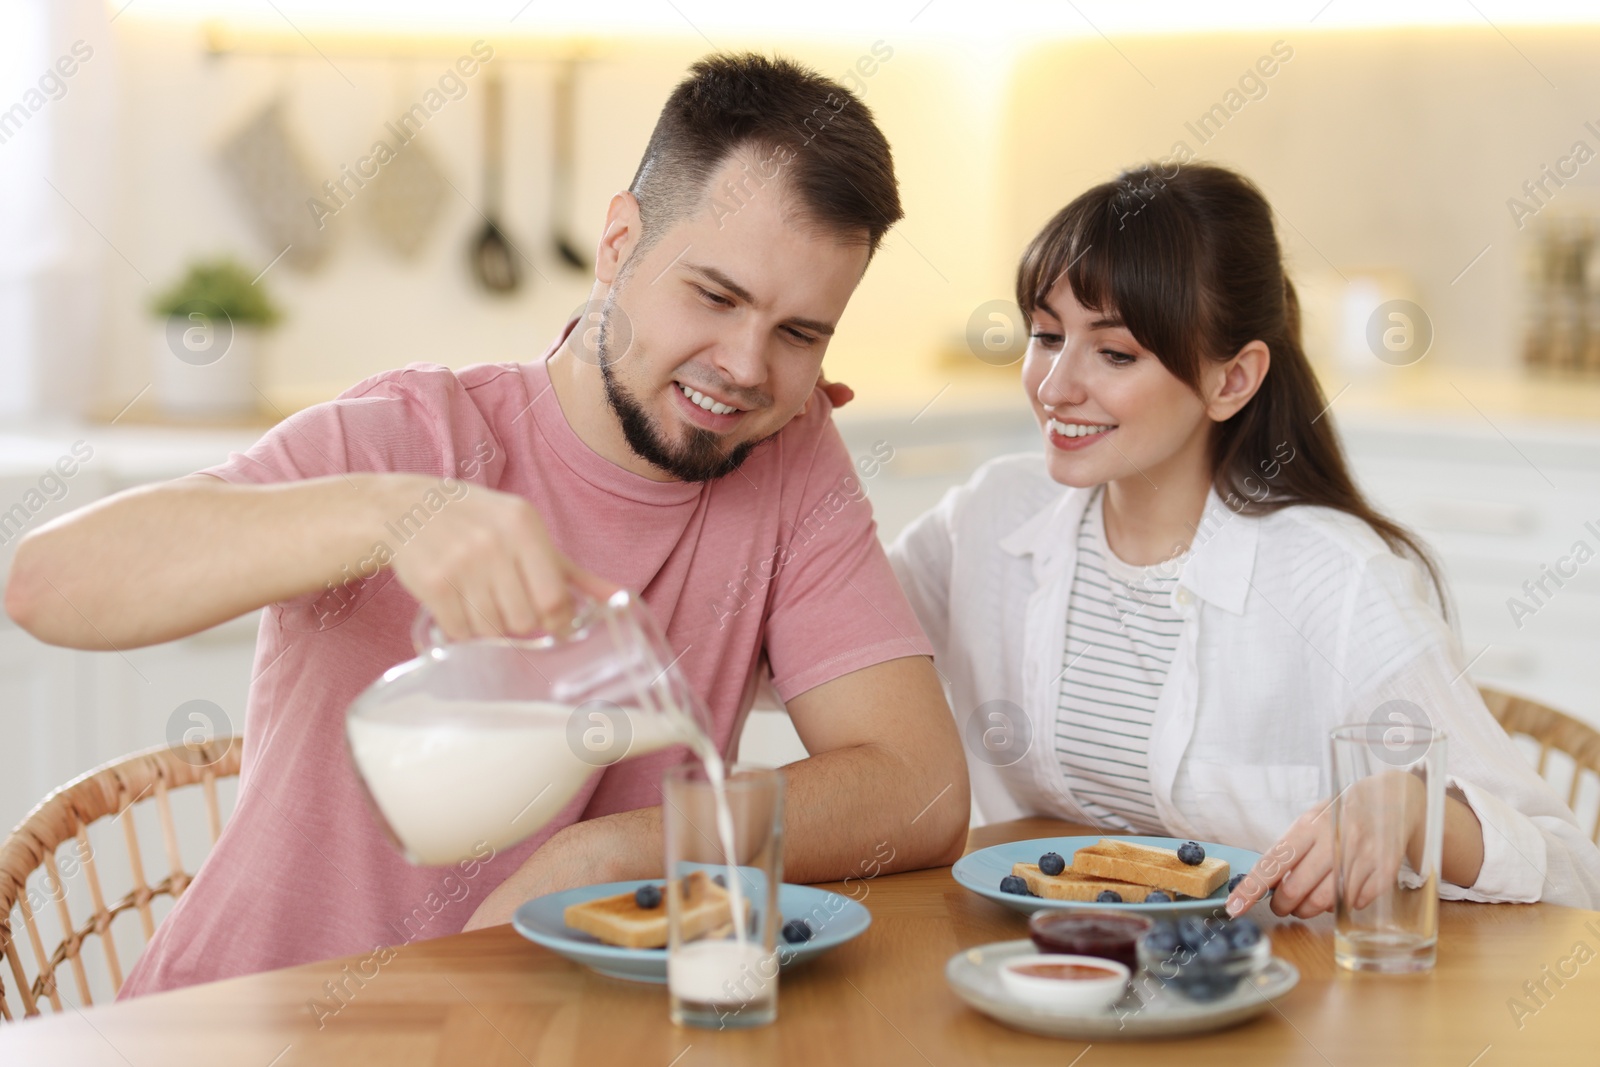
[1555, 731]
[109, 791]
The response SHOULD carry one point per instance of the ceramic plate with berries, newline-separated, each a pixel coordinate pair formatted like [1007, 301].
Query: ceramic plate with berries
[1174, 998]
[991, 873]
[815, 921]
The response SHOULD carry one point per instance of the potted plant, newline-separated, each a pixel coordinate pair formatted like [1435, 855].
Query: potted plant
[206, 347]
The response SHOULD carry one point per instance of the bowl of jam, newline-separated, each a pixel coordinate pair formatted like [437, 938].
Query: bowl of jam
[1065, 983]
[1107, 935]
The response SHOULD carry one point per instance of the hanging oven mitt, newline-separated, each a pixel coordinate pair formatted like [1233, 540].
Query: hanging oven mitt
[276, 190]
[405, 199]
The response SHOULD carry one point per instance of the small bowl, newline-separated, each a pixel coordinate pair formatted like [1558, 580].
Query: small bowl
[1077, 984]
[1202, 975]
[1108, 935]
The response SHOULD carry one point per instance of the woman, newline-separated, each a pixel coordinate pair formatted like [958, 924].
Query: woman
[1160, 621]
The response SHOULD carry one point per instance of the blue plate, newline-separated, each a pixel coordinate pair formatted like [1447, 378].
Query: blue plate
[834, 920]
[982, 870]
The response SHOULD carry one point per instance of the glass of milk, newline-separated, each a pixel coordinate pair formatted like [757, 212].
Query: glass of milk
[722, 952]
[485, 741]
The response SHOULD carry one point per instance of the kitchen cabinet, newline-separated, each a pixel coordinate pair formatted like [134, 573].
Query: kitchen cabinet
[1502, 505]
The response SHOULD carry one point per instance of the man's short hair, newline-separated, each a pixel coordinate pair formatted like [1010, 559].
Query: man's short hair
[807, 133]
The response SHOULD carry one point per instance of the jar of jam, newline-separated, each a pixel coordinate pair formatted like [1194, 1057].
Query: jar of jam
[1107, 935]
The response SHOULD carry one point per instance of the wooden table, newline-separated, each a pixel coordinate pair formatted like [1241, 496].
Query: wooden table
[489, 998]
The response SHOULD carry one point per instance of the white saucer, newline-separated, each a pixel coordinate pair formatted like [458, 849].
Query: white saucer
[1147, 1010]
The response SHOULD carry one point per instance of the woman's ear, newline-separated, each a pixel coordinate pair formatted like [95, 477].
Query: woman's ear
[620, 238]
[1237, 380]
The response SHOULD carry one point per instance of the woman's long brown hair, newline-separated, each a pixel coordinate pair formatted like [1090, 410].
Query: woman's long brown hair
[1188, 259]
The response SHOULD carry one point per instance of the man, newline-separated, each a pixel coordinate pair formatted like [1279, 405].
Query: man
[682, 450]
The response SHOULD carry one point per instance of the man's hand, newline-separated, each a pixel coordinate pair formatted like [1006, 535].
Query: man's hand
[612, 848]
[485, 565]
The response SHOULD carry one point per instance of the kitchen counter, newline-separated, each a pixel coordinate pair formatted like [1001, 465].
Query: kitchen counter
[128, 455]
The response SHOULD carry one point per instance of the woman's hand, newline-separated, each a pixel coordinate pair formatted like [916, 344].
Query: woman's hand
[838, 394]
[1300, 867]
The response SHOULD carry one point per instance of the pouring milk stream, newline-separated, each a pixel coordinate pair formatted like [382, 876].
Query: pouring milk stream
[487, 740]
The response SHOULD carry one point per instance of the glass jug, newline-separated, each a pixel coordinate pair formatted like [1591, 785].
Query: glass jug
[484, 741]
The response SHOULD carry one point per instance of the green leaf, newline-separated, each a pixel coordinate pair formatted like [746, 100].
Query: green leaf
[225, 283]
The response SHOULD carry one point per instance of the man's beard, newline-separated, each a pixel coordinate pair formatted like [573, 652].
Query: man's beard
[698, 458]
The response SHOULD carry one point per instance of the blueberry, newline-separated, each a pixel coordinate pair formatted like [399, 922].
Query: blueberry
[1192, 932]
[1013, 883]
[1156, 896]
[720, 879]
[1243, 933]
[1202, 990]
[1191, 853]
[1215, 951]
[1052, 863]
[1108, 896]
[1162, 940]
[647, 896]
[1233, 883]
[796, 931]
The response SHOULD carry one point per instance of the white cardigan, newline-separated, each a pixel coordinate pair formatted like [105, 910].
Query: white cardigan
[1294, 622]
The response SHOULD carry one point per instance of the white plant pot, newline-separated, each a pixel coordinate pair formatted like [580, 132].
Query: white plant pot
[204, 366]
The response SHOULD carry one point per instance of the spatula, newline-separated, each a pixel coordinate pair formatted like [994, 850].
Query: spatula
[494, 259]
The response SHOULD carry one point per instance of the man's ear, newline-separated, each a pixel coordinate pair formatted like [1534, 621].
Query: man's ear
[620, 238]
[1237, 380]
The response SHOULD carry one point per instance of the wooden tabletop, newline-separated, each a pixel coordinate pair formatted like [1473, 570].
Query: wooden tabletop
[489, 998]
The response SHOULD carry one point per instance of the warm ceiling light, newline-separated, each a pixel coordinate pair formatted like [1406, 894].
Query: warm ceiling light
[991, 19]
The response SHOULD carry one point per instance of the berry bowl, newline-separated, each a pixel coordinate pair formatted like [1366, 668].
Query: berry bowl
[1204, 960]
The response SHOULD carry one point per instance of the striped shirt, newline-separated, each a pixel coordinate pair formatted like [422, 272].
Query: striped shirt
[1122, 632]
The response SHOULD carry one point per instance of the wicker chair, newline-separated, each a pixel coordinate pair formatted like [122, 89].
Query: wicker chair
[65, 815]
[1552, 730]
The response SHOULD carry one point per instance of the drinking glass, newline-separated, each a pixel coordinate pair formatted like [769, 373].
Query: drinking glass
[722, 972]
[1388, 826]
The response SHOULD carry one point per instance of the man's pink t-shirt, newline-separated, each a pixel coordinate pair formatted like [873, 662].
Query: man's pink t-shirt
[777, 562]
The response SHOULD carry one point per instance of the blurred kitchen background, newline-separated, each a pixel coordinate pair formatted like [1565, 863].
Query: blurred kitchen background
[1433, 166]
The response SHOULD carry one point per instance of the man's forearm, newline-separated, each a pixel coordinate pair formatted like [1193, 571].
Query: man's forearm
[850, 813]
[845, 811]
[161, 562]
[839, 808]
[885, 791]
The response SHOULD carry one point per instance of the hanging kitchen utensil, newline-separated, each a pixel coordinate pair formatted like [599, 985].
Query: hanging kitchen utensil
[565, 165]
[269, 174]
[407, 196]
[494, 258]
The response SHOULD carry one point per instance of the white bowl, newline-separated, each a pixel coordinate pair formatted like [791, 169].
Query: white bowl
[1060, 993]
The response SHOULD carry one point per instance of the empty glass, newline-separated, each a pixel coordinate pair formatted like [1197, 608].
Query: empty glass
[1388, 823]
